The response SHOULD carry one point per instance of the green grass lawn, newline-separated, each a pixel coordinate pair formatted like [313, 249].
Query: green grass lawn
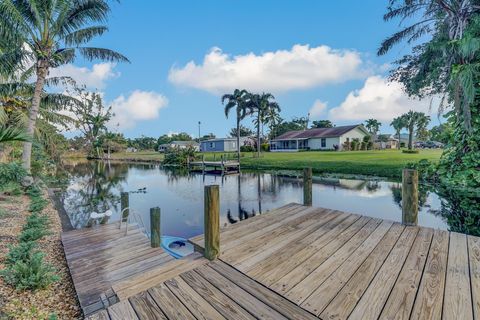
[386, 163]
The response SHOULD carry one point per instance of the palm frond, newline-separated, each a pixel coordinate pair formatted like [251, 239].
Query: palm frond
[10, 134]
[84, 35]
[90, 53]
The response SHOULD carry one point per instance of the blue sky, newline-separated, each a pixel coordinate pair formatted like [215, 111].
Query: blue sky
[315, 56]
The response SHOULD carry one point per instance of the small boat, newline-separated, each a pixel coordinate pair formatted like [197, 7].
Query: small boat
[176, 246]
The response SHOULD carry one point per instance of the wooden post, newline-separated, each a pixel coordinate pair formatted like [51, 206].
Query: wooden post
[212, 222]
[155, 227]
[307, 186]
[124, 204]
[410, 197]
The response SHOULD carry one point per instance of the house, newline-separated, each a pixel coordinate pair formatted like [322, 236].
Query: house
[221, 144]
[318, 138]
[178, 144]
[386, 141]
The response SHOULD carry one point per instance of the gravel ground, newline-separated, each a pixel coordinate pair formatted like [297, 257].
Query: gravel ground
[60, 297]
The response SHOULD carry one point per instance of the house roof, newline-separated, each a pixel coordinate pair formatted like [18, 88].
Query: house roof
[318, 133]
[225, 139]
[181, 143]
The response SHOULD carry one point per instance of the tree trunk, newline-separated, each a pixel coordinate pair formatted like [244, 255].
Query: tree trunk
[410, 138]
[398, 145]
[259, 124]
[42, 71]
[238, 139]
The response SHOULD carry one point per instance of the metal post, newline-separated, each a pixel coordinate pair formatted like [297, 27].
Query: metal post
[410, 197]
[307, 186]
[212, 222]
[155, 227]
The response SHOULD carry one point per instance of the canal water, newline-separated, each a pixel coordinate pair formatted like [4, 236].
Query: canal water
[96, 186]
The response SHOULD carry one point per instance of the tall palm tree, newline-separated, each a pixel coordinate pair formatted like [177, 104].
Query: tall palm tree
[262, 104]
[47, 34]
[398, 124]
[414, 121]
[373, 126]
[237, 100]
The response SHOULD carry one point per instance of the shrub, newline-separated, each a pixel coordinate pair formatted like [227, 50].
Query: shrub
[427, 171]
[21, 252]
[30, 274]
[247, 148]
[11, 172]
[33, 234]
[410, 151]
[12, 188]
[179, 156]
[36, 220]
[265, 147]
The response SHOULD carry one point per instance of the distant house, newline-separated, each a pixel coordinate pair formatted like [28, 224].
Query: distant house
[318, 138]
[386, 141]
[178, 144]
[221, 144]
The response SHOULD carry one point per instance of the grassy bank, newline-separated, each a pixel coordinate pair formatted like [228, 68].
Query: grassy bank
[385, 163]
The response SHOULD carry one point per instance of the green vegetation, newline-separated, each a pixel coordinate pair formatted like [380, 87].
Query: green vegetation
[386, 163]
[24, 264]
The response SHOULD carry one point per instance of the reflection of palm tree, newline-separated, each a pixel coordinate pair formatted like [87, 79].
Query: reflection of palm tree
[97, 182]
[259, 194]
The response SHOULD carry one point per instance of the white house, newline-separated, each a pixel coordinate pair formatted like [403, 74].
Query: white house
[318, 138]
[179, 144]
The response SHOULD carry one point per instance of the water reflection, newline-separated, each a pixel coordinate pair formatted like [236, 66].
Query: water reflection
[96, 186]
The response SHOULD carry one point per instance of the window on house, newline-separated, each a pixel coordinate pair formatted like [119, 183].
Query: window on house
[234, 144]
[212, 144]
[324, 142]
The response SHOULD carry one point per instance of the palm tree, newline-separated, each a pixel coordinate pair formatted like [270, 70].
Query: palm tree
[373, 126]
[237, 100]
[398, 124]
[49, 34]
[445, 64]
[262, 105]
[414, 121]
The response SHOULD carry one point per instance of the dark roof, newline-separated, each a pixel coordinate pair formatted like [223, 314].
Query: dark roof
[317, 133]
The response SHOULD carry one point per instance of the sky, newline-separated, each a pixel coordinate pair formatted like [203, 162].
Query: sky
[316, 57]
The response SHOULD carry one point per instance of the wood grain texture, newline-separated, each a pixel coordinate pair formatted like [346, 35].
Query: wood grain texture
[122, 311]
[212, 222]
[429, 301]
[400, 302]
[168, 302]
[374, 298]
[145, 307]
[458, 298]
[474, 254]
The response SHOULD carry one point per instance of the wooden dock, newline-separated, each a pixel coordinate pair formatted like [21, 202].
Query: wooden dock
[103, 256]
[338, 265]
[222, 166]
[301, 262]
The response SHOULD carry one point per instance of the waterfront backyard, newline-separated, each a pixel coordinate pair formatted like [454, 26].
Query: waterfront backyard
[382, 163]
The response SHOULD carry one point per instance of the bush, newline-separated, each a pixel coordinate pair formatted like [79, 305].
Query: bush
[179, 156]
[11, 172]
[265, 147]
[33, 234]
[247, 148]
[21, 252]
[30, 274]
[427, 171]
[12, 188]
[410, 151]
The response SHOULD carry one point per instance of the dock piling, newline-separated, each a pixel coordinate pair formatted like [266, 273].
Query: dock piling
[155, 227]
[410, 197]
[307, 186]
[212, 222]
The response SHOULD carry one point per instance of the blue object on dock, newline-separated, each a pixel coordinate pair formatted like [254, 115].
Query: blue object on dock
[176, 246]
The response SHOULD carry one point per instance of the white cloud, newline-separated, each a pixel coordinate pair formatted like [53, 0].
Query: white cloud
[318, 109]
[95, 77]
[138, 106]
[380, 99]
[301, 67]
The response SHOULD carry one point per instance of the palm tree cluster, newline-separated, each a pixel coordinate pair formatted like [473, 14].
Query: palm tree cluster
[413, 121]
[38, 35]
[262, 106]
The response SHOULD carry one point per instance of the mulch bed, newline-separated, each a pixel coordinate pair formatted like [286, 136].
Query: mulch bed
[60, 297]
